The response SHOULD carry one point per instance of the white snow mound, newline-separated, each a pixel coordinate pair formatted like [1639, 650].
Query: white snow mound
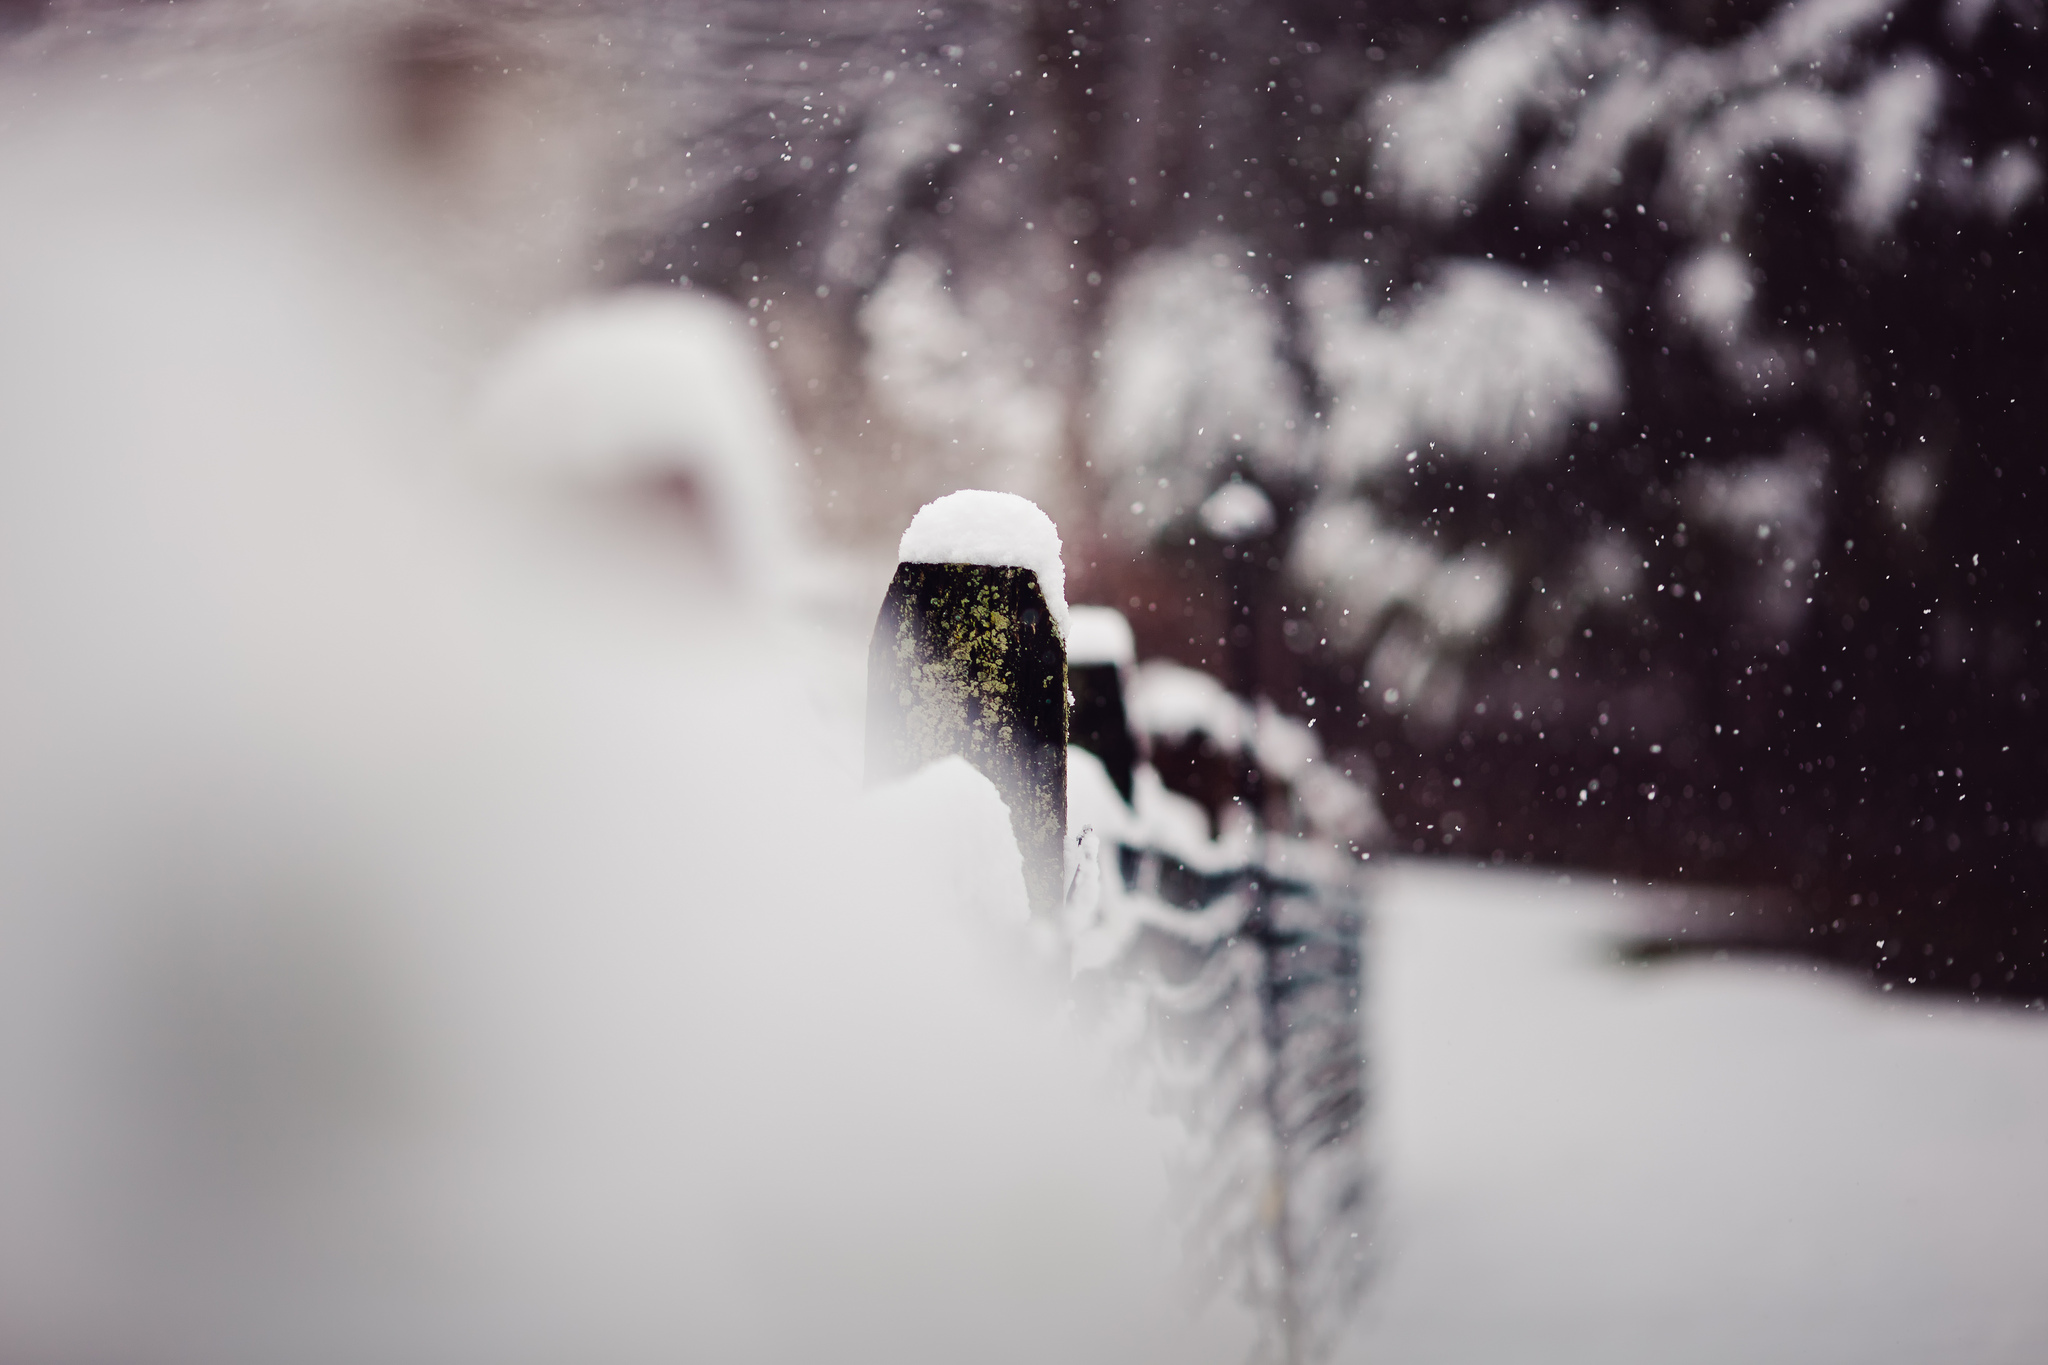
[973, 526]
[1174, 701]
[649, 384]
[958, 819]
[1100, 635]
[1237, 511]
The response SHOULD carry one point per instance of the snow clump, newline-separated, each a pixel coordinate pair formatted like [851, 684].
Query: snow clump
[953, 363]
[1100, 635]
[1173, 701]
[646, 388]
[1490, 365]
[958, 820]
[1193, 380]
[1444, 139]
[1237, 511]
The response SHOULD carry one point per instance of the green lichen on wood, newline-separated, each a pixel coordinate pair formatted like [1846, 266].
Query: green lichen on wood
[967, 660]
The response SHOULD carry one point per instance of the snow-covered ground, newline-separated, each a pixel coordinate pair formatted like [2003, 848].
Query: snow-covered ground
[1749, 1160]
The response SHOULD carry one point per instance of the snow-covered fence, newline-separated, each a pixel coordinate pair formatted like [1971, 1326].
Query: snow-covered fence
[1241, 953]
[1239, 957]
[1244, 960]
[969, 658]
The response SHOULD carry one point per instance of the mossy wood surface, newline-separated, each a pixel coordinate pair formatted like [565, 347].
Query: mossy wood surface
[966, 660]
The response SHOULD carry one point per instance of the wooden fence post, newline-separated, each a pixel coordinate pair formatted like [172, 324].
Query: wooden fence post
[1099, 650]
[969, 659]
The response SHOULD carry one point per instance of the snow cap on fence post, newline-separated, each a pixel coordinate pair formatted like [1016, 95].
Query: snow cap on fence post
[969, 657]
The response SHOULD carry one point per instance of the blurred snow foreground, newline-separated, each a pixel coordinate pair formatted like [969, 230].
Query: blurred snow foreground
[428, 933]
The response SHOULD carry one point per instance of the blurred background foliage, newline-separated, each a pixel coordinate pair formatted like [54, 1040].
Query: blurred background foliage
[1646, 396]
